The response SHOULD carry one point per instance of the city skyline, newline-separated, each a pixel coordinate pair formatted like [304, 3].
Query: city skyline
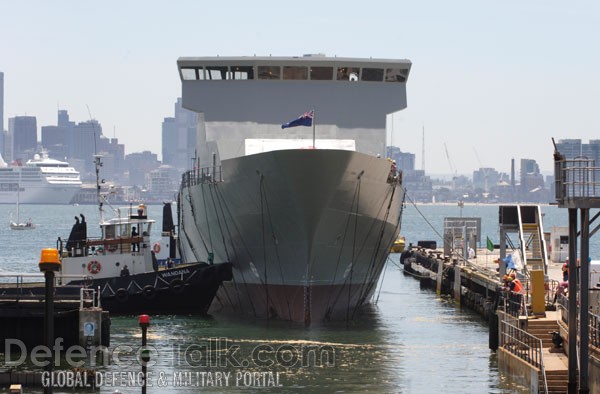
[490, 81]
[178, 128]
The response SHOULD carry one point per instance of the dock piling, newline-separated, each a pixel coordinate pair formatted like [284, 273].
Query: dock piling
[49, 264]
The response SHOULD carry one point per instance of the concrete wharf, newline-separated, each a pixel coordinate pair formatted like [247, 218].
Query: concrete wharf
[23, 326]
[523, 340]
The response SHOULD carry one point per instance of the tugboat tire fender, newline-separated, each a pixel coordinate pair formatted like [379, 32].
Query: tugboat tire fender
[122, 295]
[404, 255]
[149, 292]
[176, 286]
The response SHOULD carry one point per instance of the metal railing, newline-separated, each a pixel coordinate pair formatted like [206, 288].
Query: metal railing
[26, 286]
[594, 330]
[576, 178]
[89, 298]
[523, 345]
[594, 320]
[562, 303]
[512, 303]
[204, 175]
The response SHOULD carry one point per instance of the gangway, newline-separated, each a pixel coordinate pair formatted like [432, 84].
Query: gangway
[526, 222]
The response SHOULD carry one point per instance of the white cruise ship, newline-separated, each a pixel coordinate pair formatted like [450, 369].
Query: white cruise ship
[41, 181]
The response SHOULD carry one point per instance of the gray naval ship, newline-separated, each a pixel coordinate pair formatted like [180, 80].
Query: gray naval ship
[306, 215]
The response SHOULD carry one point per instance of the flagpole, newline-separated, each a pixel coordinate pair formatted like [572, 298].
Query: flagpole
[313, 124]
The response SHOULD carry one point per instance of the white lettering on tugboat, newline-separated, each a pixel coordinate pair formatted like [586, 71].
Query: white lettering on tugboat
[175, 273]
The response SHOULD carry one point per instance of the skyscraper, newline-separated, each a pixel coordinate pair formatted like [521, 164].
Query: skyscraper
[86, 142]
[179, 138]
[3, 136]
[574, 148]
[169, 129]
[1, 101]
[530, 176]
[23, 130]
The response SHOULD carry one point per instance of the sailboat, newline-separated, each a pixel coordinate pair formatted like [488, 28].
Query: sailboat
[18, 225]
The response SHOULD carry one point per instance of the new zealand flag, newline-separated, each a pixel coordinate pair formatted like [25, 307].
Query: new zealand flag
[305, 119]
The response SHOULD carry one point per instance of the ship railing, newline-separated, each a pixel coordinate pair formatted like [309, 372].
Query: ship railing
[99, 246]
[577, 178]
[523, 345]
[204, 175]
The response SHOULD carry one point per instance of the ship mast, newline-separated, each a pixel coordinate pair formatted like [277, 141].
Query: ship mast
[98, 164]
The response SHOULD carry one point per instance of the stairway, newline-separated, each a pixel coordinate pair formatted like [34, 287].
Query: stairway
[542, 329]
[531, 237]
[534, 249]
[557, 374]
[558, 382]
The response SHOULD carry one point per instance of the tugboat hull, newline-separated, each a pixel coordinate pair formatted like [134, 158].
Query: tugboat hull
[186, 289]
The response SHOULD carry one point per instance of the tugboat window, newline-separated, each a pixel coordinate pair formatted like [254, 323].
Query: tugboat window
[321, 73]
[269, 72]
[395, 75]
[110, 232]
[372, 74]
[348, 73]
[242, 72]
[292, 72]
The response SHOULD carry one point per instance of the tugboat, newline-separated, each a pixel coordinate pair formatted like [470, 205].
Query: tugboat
[122, 263]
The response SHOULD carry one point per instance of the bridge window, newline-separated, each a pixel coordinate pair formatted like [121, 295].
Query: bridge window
[395, 75]
[269, 72]
[192, 73]
[216, 72]
[348, 74]
[242, 72]
[293, 72]
[321, 73]
[372, 74]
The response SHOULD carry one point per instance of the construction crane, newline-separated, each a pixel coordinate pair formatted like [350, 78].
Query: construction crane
[454, 174]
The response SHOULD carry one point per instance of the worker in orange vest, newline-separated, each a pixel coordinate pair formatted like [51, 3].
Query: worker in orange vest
[517, 285]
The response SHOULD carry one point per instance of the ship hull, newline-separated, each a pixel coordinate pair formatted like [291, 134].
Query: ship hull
[308, 231]
[40, 193]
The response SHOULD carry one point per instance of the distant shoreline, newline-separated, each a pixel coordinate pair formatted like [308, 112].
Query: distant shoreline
[447, 204]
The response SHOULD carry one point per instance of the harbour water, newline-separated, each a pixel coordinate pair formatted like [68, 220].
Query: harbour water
[410, 341]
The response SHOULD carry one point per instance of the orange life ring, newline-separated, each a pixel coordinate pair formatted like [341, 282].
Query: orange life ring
[94, 267]
[156, 248]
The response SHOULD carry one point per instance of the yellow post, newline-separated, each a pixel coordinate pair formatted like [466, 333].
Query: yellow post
[538, 303]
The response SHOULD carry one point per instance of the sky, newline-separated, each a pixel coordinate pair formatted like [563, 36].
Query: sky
[490, 80]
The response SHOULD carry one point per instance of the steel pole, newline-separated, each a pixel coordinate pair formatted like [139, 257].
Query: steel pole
[144, 366]
[49, 324]
[572, 387]
[584, 317]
